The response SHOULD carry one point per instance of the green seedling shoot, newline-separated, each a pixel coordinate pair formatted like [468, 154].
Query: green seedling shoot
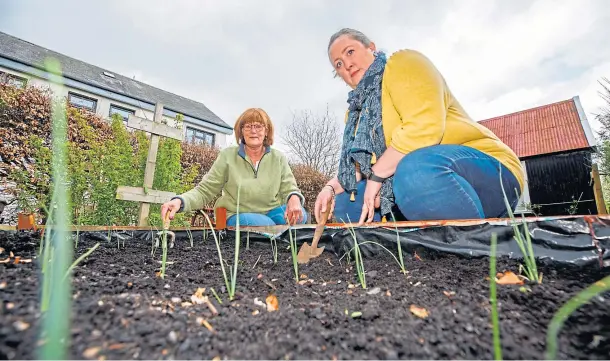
[358, 257]
[582, 298]
[293, 251]
[55, 324]
[222, 263]
[399, 248]
[493, 299]
[80, 259]
[237, 239]
[525, 245]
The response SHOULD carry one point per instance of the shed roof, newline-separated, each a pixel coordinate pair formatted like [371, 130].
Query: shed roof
[551, 128]
[33, 55]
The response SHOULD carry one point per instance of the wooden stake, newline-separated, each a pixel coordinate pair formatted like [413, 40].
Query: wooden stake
[597, 191]
[151, 163]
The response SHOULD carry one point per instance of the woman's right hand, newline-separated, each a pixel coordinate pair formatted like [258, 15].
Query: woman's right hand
[172, 207]
[325, 196]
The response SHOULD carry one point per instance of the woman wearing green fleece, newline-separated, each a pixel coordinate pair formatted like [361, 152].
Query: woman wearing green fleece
[269, 194]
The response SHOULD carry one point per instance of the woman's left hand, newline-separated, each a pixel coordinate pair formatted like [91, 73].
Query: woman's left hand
[294, 211]
[371, 194]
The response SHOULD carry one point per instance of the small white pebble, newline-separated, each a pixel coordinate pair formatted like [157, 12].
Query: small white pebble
[166, 286]
[21, 326]
[176, 300]
[173, 337]
[100, 303]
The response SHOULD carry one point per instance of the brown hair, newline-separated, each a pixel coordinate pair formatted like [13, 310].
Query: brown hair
[254, 115]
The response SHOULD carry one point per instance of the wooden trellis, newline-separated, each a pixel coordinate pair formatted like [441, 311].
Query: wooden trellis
[146, 195]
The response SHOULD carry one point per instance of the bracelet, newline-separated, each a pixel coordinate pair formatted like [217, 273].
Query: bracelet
[332, 189]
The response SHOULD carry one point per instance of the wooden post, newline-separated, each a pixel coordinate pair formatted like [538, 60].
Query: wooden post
[151, 164]
[146, 195]
[597, 191]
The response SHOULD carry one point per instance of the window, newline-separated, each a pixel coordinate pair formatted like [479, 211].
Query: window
[14, 80]
[123, 112]
[82, 102]
[199, 136]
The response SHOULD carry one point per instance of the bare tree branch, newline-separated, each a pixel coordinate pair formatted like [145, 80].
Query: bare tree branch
[314, 140]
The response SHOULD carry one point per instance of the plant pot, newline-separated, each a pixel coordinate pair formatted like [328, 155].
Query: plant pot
[220, 218]
[26, 221]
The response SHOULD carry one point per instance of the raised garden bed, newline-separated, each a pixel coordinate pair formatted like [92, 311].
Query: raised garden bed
[122, 310]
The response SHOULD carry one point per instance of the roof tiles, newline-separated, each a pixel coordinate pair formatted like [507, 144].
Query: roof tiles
[546, 129]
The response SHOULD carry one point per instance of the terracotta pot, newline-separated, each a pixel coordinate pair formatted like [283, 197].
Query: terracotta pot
[26, 221]
[220, 218]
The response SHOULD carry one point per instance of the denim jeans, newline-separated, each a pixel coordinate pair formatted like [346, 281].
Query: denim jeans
[271, 218]
[442, 182]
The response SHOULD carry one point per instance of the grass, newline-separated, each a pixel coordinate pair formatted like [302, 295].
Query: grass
[582, 298]
[55, 330]
[493, 299]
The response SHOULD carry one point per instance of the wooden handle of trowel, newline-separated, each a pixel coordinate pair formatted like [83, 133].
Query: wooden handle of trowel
[166, 220]
[320, 227]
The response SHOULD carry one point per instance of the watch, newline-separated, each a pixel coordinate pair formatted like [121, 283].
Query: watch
[375, 178]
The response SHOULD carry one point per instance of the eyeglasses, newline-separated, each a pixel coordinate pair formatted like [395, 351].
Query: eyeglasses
[256, 127]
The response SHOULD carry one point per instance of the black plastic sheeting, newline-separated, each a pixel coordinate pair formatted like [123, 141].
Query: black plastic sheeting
[567, 242]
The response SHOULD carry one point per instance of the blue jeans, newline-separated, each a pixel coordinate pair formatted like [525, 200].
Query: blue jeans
[442, 182]
[272, 218]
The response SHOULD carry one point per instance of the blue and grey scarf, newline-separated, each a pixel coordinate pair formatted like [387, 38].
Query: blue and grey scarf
[363, 138]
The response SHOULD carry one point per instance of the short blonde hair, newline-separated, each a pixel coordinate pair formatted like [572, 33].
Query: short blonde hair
[254, 115]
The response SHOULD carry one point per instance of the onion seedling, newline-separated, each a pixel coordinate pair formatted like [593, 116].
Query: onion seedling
[222, 265]
[293, 250]
[525, 245]
[236, 261]
[189, 234]
[493, 299]
[79, 260]
[273, 242]
[216, 295]
[358, 257]
[380, 245]
[55, 325]
[398, 246]
[164, 247]
[566, 310]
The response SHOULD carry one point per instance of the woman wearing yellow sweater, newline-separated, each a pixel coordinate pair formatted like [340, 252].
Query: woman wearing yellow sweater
[408, 146]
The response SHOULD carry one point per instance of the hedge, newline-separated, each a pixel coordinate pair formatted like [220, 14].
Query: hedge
[102, 156]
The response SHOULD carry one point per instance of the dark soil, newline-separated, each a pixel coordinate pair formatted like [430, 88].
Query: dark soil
[121, 310]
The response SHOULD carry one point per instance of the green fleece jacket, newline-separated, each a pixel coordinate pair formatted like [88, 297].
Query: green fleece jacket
[262, 189]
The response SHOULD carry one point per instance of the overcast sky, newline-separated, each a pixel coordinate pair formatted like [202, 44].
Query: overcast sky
[497, 56]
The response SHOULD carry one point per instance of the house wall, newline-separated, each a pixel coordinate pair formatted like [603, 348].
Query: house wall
[561, 178]
[103, 105]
